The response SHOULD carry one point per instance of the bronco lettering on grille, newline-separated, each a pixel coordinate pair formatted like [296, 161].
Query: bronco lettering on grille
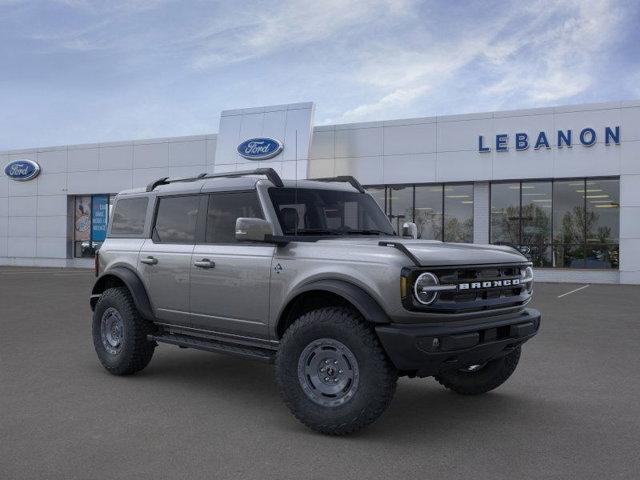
[510, 282]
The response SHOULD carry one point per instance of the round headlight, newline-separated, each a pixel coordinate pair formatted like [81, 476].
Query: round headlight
[421, 288]
[526, 277]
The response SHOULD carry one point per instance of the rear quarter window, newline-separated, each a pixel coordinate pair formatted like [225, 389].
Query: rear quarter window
[129, 216]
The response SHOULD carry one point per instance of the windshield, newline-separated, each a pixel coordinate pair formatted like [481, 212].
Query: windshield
[306, 211]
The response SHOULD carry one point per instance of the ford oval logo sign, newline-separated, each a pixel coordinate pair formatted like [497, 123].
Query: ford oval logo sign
[260, 148]
[22, 170]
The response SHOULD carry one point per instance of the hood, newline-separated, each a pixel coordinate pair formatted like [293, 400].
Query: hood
[435, 253]
[439, 253]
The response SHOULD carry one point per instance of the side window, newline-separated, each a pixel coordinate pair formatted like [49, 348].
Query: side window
[128, 216]
[176, 219]
[224, 209]
[292, 217]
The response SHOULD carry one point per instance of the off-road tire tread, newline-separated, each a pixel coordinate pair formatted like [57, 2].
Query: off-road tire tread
[497, 372]
[139, 356]
[385, 372]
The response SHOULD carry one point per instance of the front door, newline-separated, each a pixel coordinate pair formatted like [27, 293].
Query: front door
[230, 280]
[165, 259]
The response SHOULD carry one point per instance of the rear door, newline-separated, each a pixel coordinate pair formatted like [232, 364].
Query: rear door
[165, 259]
[230, 279]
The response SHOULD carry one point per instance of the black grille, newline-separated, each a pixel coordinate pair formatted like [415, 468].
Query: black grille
[470, 300]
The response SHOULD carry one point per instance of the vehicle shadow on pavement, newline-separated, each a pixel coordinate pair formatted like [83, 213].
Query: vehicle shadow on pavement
[421, 408]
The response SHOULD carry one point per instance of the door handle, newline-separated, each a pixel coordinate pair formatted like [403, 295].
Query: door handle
[149, 260]
[204, 263]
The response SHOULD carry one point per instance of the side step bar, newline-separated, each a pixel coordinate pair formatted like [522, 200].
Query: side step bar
[186, 341]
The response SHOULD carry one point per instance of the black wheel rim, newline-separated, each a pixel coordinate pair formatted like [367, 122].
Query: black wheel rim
[111, 330]
[328, 372]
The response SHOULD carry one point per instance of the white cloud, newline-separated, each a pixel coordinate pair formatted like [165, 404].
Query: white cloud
[543, 52]
[287, 25]
[555, 63]
[398, 98]
[405, 76]
[166, 67]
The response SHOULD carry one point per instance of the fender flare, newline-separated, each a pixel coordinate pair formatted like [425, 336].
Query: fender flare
[357, 296]
[132, 281]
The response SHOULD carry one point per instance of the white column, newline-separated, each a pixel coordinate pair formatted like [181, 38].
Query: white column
[629, 229]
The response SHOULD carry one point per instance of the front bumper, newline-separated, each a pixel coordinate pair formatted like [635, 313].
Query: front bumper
[426, 350]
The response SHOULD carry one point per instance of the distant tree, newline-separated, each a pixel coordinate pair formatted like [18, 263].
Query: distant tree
[576, 223]
[506, 226]
[536, 225]
[429, 221]
[457, 231]
[536, 232]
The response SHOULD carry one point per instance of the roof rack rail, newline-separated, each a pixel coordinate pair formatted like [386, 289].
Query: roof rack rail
[270, 173]
[342, 178]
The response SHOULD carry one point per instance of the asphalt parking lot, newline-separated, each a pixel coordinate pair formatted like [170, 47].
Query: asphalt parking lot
[571, 410]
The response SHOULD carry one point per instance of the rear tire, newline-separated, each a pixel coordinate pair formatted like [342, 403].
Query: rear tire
[120, 333]
[333, 373]
[484, 379]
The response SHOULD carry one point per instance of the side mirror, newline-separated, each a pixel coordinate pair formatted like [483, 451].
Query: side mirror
[252, 229]
[410, 229]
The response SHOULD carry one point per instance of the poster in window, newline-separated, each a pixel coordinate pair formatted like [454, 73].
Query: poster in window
[99, 217]
[82, 229]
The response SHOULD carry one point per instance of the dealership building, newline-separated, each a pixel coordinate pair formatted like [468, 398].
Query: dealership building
[561, 184]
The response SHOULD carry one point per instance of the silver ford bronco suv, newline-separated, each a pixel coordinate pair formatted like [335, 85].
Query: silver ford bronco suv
[308, 275]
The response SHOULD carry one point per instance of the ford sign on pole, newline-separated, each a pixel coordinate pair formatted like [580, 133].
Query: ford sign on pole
[22, 170]
[260, 148]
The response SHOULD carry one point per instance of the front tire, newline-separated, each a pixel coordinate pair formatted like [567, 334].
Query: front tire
[120, 333]
[333, 373]
[483, 378]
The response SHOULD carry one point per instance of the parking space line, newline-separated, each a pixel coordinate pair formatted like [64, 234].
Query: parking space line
[573, 291]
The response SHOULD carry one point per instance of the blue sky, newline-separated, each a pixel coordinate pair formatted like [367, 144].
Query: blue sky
[77, 71]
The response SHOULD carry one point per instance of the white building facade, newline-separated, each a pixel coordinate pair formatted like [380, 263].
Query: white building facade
[561, 184]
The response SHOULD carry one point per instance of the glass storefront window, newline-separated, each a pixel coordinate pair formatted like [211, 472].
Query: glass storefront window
[603, 223]
[440, 211]
[378, 194]
[91, 217]
[400, 206]
[505, 213]
[568, 212]
[569, 223]
[82, 227]
[458, 213]
[536, 221]
[428, 212]
[603, 209]
[564, 223]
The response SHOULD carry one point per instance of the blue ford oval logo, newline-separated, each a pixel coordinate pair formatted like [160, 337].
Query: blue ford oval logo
[22, 170]
[260, 148]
